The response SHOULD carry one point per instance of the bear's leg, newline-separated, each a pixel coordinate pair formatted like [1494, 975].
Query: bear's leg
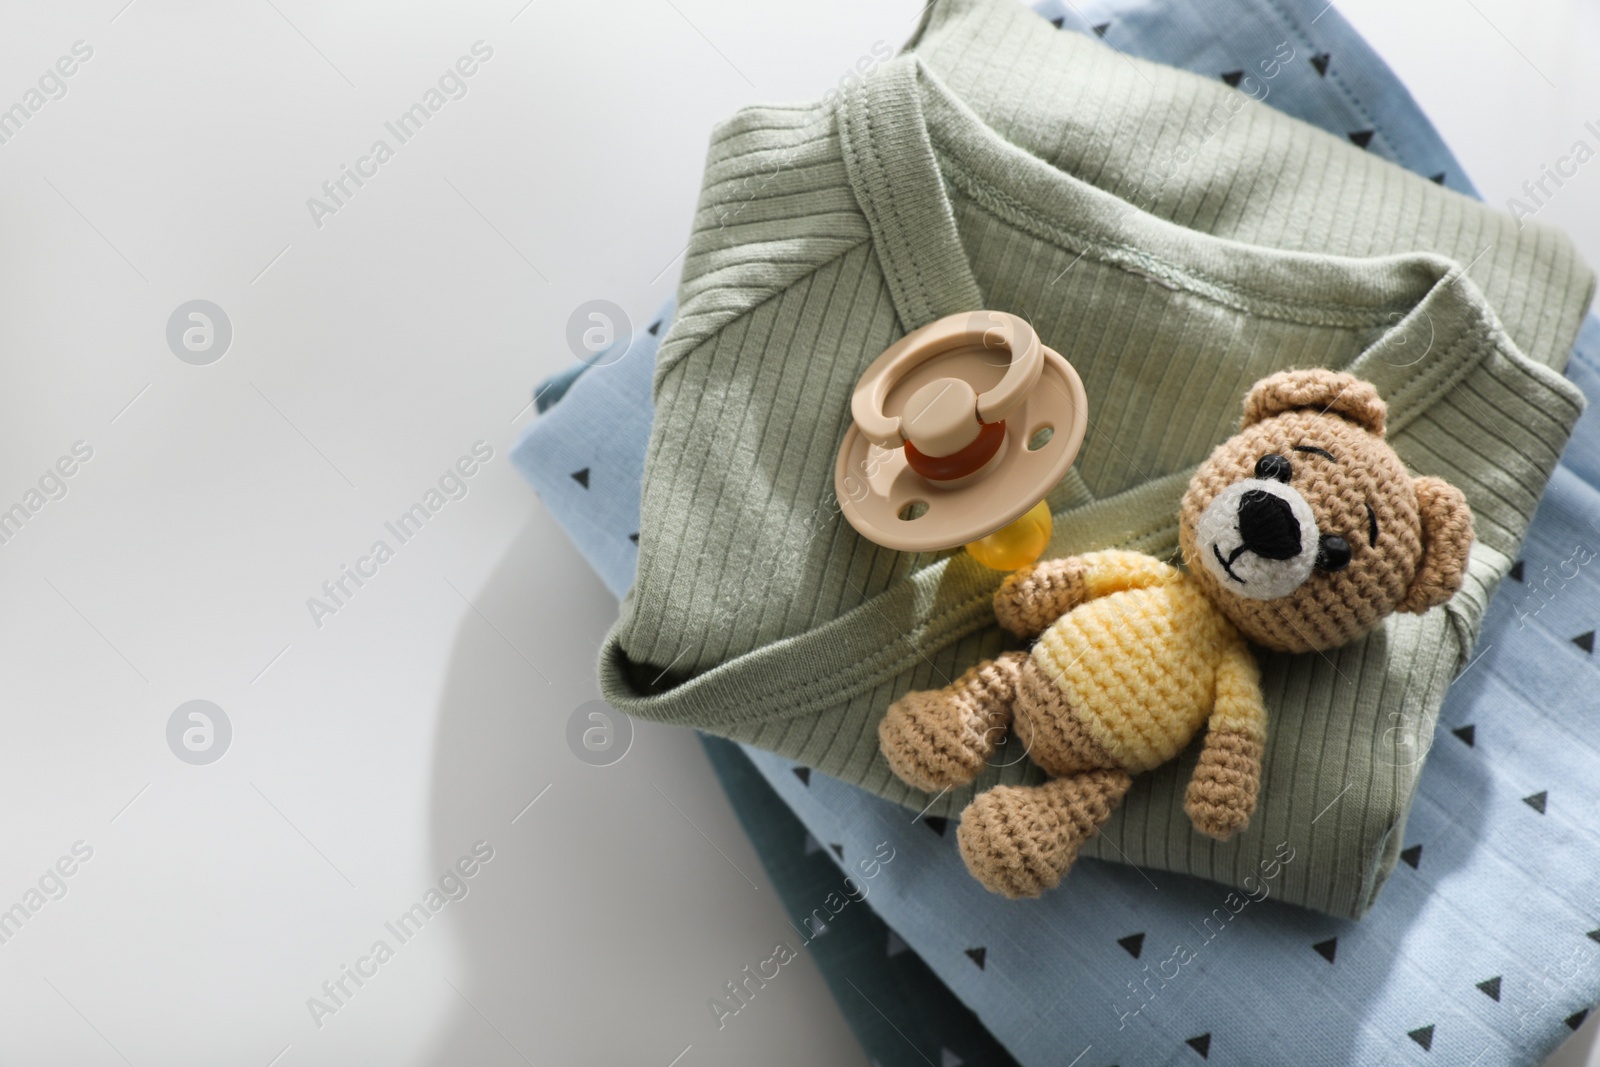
[941, 738]
[1021, 840]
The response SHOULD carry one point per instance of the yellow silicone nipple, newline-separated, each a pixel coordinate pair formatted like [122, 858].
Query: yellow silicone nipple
[1017, 545]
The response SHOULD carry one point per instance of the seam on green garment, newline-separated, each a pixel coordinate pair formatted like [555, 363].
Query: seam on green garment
[1358, 315]
[674, 351]
[808, 184]
[891, 213]
[1407, 409]
[671, 363]
[857, 146]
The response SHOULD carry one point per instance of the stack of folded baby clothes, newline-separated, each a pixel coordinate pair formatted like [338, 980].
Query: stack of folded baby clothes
[1176, 234]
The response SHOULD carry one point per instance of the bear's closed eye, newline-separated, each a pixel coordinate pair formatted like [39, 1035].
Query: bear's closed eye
[1372, 527]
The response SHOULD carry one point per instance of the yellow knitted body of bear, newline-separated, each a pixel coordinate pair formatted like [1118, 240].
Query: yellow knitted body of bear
[1145, 659]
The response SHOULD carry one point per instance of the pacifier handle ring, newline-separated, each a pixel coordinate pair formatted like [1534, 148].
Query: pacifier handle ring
[962, 330]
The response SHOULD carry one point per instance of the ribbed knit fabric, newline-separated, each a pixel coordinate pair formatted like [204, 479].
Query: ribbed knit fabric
[1176, 242]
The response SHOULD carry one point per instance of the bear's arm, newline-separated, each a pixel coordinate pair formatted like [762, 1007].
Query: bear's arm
[1222, 791]
[1031, 599]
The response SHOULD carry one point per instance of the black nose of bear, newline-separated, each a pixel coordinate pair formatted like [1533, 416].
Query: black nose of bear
[1267, 525]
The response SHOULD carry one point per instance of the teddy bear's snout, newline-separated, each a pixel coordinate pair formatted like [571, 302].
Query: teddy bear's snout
[1259, 538]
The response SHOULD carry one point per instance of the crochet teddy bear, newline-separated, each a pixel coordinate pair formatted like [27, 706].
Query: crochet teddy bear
[1301, 532]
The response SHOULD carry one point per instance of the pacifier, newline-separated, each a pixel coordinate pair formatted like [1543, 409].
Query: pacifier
[960, 429]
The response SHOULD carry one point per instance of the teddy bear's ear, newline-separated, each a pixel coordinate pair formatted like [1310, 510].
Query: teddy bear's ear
[1319, 390]
[1446, 540]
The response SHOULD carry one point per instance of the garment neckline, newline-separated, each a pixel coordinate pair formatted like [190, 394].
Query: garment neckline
[909, 141]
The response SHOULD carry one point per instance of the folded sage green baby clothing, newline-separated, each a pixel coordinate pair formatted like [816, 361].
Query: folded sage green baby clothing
[1175, 240]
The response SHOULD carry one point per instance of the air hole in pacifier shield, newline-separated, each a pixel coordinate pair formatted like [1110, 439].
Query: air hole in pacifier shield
[958, 432]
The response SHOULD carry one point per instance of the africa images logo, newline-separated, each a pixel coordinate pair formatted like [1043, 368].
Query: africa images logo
[452, 85]
[453, 484]
[453, 885]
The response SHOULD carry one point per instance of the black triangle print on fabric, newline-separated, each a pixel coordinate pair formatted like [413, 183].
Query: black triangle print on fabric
[1423, 1036]
[1585, 641]
[1538, 800]
[1438, 179]
[1320, 61]
[949, 1059]
[1467, 733]
[977, 955]
[936, 823]
[1594, 935]
[1233, 77]
[1575, 1020]
[655, 327]
[1201, 1044]
[1057, 23]
[1516, 568]
[1361, 138]
[1327, 949]
[804, 774]
[1100, 30]
[838, 850]
[1134, 943]
[634, 537]
[1412, 856]
[581, 477]
[1491, 988]
[896, 946]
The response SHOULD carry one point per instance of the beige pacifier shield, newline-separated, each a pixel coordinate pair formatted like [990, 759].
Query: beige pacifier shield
[876, 486]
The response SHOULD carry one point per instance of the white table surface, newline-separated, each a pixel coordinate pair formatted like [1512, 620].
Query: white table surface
[367, 355]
